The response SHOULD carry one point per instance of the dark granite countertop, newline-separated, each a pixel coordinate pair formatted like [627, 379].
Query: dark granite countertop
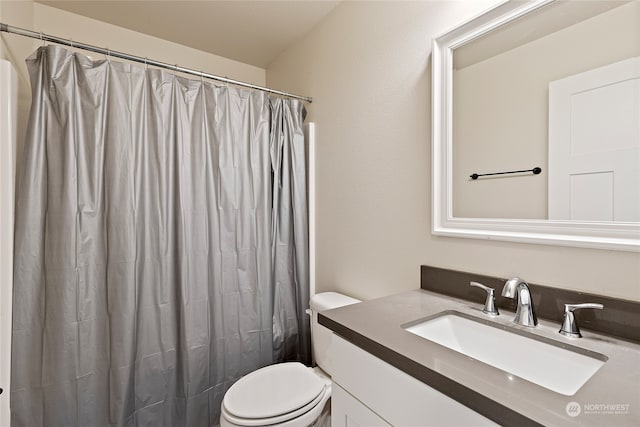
[611, 397]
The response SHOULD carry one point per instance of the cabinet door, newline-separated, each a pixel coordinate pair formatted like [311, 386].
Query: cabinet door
[347, 411]
[400, 399]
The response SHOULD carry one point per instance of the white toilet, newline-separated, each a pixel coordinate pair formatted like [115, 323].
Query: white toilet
[287, 394]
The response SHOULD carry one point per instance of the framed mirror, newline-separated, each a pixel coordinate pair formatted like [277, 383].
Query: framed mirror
[552, 85]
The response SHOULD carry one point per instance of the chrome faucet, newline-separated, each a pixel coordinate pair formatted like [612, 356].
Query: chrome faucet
[518, 289]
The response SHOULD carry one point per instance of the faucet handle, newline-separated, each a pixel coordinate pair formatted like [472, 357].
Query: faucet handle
[569, 326]
[490, 303]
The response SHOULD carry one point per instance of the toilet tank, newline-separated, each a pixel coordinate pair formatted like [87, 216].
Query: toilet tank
[321, 336]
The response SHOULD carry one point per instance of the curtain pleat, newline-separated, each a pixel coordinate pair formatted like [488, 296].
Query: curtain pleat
[161, 244]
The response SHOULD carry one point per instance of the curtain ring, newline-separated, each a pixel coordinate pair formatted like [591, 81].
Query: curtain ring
[201, 77]
[145, 63]
[71, 43]
[42, 38]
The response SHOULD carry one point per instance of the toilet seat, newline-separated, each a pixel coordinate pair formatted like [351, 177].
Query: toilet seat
[281, 420]
[285, 394]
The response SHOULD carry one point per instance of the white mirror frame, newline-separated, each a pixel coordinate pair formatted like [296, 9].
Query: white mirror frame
[599, 235]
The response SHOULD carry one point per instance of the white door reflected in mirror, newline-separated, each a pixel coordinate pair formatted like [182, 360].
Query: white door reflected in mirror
[594, 144]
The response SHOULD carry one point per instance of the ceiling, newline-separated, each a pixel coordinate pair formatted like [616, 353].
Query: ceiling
[540, 23]
[252, 32]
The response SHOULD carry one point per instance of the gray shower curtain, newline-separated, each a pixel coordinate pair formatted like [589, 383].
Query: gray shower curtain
[161, 244]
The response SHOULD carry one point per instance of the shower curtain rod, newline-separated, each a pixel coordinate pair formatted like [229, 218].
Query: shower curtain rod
[67, 42]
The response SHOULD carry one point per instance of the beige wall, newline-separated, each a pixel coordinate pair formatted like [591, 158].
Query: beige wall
[367, 65]
[15, 49]
[37, 17]
[501, 123]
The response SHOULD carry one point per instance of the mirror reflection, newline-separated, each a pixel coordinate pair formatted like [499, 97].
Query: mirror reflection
[557, 89]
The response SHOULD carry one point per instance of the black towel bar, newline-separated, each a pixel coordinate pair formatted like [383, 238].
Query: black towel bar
[535, 171]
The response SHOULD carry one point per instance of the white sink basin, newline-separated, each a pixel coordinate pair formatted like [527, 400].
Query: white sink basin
[558, 369]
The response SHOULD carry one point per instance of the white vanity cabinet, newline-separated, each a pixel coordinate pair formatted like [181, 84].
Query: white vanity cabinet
[346, 410]
[370, 392]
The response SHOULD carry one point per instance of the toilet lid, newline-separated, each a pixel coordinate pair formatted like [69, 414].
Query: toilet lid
[299, 413]
[272, 391]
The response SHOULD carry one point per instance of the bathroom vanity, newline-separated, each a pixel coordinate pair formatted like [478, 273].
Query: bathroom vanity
[388, 374]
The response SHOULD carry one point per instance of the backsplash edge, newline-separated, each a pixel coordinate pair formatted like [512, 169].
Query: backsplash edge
[619, 318]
